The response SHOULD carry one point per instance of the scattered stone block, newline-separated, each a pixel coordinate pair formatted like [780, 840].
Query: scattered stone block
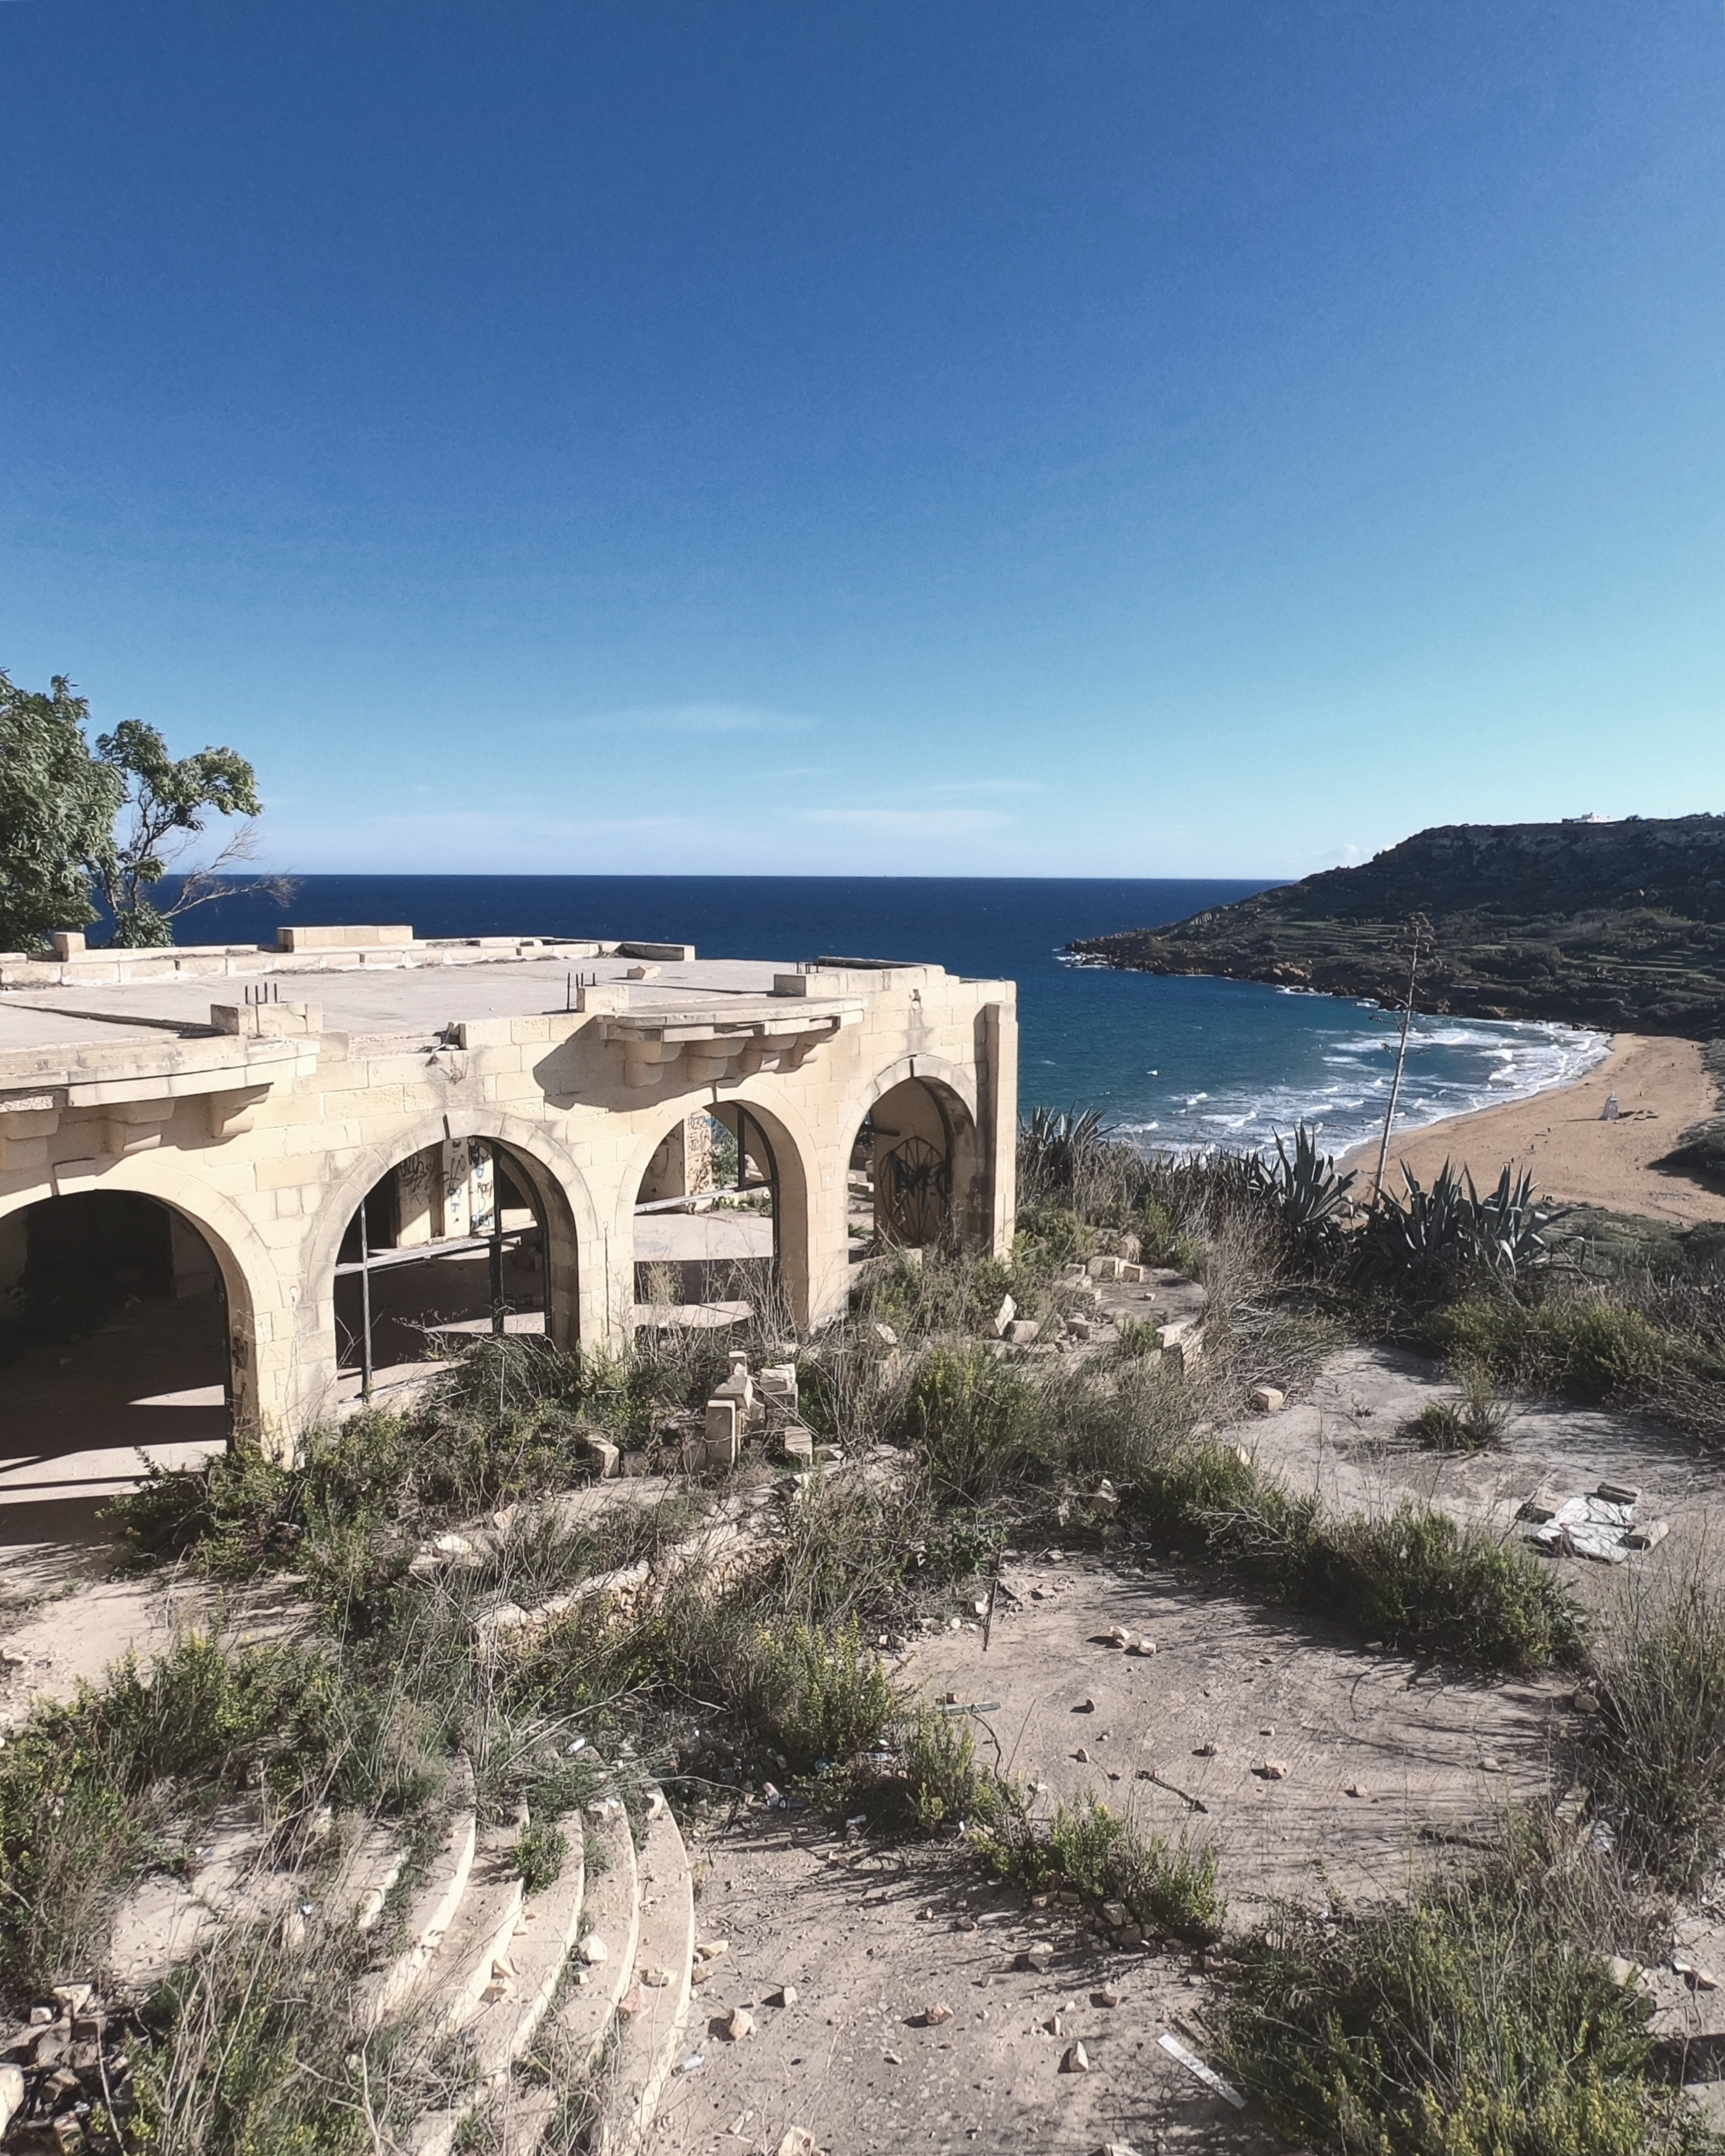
[1079, 1328]
[720, 1425]
[722, 1452]
[786, 1995]
[799, 1445]
[1004, 1316]
[932, 2016]
[1269, 1399]
[1272, 1770]
[604, 1455]
[12, 2094]
[1022, 1331]
[1076, 2060]
[1102, 1269]
[740, 2024]
[1037, 1957]
[778, 1387]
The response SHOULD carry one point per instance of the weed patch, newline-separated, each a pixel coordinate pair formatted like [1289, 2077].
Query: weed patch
[1656, 1751]
[1414, 1579]
[1481, 2020]
[1168, 1889]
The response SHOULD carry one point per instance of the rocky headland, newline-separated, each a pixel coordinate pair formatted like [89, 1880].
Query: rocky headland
[1619, 926]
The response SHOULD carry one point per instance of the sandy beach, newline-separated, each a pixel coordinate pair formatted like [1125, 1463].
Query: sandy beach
[1662, 1087]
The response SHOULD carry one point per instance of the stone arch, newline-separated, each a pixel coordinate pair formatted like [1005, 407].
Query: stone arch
[800, 1185]
[257, 1307]
[937, 1100]
[571, 1225]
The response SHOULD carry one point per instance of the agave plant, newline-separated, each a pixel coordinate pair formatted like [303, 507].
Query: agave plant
[1309, 1198]
[1428, 1238]
[1055, 1145]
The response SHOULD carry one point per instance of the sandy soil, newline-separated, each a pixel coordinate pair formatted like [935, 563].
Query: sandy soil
[1662, 1088]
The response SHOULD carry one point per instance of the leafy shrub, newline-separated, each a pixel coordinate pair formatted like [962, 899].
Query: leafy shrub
[83, 1784]
[1090, 1847]
[254, 2049]
[1414, 1579]
[1591, 1346]
[819, 1698]
[978, 1424]
[1481, 2021]
[945, 1784]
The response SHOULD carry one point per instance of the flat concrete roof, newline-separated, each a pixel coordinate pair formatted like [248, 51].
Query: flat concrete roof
[379, 992]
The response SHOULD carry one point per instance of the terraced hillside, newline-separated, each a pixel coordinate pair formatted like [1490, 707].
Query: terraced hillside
[1614, 925]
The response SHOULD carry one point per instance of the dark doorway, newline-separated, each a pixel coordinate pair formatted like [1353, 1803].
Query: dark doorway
[114, 1337]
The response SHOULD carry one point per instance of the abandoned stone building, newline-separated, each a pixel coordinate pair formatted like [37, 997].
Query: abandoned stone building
[241, 1186]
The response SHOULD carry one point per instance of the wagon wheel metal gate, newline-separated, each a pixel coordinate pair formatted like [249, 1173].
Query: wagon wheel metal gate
[918, 1193]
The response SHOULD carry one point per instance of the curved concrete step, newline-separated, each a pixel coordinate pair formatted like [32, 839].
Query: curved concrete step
[470, 1969]
[503, 2029]
[650, 2026]
[432, 1908]
[544, 1938]
[371, 1864]
[611, 1913]
[570, 2042]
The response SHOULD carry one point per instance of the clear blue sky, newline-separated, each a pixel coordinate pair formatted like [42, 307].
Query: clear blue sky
[1162, 438]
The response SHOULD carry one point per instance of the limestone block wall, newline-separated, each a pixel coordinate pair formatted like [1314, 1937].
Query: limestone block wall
[270, 1157]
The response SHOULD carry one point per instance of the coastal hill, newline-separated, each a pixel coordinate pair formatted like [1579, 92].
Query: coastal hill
[1618, 925]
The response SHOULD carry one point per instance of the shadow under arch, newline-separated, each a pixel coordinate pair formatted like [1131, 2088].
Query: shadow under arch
[550, 1179]
[134, 1330]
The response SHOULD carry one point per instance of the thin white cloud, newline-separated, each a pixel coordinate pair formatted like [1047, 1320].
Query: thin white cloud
[985, 785]
[912, 823]
[699, 718]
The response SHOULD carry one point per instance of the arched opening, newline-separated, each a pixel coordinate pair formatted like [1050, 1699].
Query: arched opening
[914, 1173]
[448, 1245]
[115, 1341]
[707, 1222]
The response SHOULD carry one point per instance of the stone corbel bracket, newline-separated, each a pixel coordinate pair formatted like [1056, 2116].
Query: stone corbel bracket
[121, 1101]
[679, 1049]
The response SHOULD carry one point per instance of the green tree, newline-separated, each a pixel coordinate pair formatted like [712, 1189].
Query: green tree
[113, 822]
[166, 803]
[57, 809]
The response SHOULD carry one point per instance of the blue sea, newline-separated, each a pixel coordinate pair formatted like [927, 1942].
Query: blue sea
[1171, 1064]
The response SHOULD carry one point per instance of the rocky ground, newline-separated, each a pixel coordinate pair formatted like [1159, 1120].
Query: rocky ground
[894, 1999]
[1388, 1761]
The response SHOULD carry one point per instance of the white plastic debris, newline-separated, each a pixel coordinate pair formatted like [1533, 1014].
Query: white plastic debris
[1194, 2065]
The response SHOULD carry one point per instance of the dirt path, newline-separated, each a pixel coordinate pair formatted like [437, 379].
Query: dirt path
[870, 1939]
[1662, 1088]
